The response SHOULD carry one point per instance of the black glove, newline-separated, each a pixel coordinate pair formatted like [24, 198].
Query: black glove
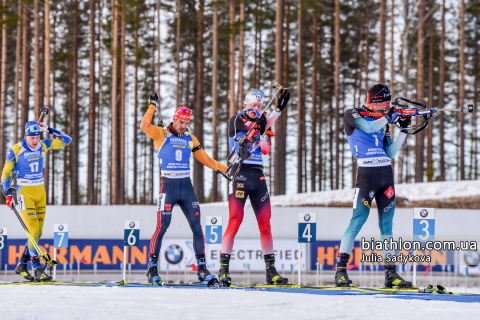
[392, 116]
[283, 100]
[261, 122]
[153, 99]
[404, 122]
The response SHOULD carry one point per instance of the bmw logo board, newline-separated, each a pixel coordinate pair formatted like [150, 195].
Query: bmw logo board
[423, 224]
[3, 238]
[131, 235]
[213, 231]
[307, 227]
[60, 235]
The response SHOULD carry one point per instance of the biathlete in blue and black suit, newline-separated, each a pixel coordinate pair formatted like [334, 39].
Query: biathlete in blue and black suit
[175, 145]
[369, 138]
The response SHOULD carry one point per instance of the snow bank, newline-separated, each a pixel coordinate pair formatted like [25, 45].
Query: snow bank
[409, 191]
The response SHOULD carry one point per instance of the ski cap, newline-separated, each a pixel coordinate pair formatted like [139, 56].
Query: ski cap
[182, 113]
[255, 95]
[379, 93]
[32, 129]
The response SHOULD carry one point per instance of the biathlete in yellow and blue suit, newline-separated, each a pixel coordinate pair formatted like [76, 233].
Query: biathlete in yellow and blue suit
[26, 160]
[175, 145]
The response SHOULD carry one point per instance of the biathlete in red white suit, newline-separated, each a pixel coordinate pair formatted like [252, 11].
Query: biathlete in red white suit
[250, 182]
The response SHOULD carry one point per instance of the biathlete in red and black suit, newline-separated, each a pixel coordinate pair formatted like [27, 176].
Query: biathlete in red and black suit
[250, 182]
[175, 145]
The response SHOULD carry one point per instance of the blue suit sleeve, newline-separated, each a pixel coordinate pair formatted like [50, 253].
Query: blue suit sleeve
[391, 149]
[354, 120]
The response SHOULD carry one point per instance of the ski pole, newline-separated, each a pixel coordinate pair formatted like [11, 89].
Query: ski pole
[279, 87]
[45, 256]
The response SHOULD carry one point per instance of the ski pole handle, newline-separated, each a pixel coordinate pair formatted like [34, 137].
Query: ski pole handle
[224, 175]
[44, 111]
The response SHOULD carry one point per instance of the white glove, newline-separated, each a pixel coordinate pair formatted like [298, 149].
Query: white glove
[43, 127]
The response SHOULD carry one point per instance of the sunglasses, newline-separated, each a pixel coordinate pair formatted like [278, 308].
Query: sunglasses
[185, 110]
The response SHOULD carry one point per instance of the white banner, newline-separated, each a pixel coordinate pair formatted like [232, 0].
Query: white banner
[247, 253]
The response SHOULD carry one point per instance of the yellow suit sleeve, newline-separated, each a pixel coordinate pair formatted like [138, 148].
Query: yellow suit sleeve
[153, 132]
[204, 158]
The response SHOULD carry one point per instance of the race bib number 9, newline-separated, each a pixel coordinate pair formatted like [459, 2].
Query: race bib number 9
[21, 203]
[161, 202]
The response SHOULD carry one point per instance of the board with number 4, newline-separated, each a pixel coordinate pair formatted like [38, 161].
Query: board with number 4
[307, 227]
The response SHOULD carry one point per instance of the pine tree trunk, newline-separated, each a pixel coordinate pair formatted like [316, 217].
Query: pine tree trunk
[231, 48]
[392, 71]
[158, 57]
[135, 109]
[441, 96]
[280, 127]
[18, 56]
[54, 116]
[299, 103]
[115, 167]
[198, 120]
[36, 55]
[405, 53]
[337, 91]
[430, 104]
[74, 120]
[179, 15]
[367, 47]
[3, 88]
[47, 62]
[381, 49]
[420, 137]
[461, 92]
[313, 145]
[241, 51]
[122, 106]
[475, 99]
[98, 193]
[91, 112]
[25, 69]
[215, 194]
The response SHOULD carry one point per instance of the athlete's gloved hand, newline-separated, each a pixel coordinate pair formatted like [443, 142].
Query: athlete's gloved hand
[404, 122]
[392, 116]
[43, 127]
[9, 202]
[282, 100]
[153, 99]
[261, 122]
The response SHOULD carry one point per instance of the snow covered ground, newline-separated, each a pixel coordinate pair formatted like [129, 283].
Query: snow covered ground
[409, 191]
[92, 303]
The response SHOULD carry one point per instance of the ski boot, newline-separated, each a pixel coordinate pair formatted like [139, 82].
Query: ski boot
[22, 268]
[393, 279]
[341, 276]
[152, 273]
[271, 272]
[224, 273]
[39, 271]
[202, 272]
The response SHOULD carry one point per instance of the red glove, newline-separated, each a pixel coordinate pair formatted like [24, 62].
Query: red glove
[9, 202]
